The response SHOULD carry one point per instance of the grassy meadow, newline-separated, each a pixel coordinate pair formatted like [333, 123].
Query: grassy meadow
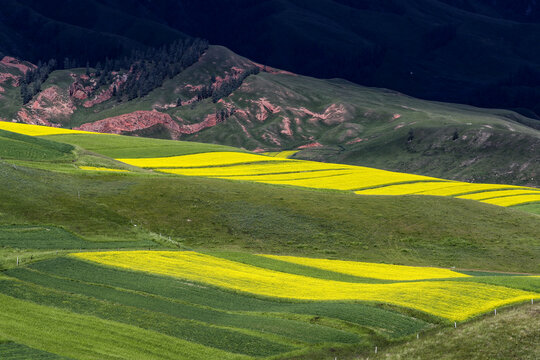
[99, 264]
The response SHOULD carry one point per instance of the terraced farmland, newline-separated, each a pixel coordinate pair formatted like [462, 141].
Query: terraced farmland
[361, 180]
[208, 317]
[451, 300]
[66, 195]
[215, 308]
[274, 168]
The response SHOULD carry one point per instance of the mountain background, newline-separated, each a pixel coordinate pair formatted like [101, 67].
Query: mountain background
[479, 52]
[290, 75]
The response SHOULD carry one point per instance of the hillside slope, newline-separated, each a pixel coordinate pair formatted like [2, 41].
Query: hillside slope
[328, 120]
[121, 261]
[413, 46]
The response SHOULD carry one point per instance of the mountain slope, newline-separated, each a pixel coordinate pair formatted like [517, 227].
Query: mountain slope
[327, 120]
[476, 51]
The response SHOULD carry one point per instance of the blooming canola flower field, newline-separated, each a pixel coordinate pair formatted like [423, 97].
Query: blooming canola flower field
[279, 170]
[376, 271]
[34, 130]
[449, 299]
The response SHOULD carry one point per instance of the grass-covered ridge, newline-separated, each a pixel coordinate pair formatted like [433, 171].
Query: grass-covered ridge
[511, 334]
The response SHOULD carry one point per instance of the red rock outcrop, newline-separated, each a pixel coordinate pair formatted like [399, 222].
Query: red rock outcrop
[50, 105]
[286, 127]
[134, 121]
[209, 121]
[5, 77]
[106, 94]
[264, 107]
[333, 114]
[142, 119]
[311, 145]
[14, 63]
[272, 70]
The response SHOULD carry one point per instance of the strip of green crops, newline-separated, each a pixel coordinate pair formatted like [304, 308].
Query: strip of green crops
[23, 147]
[388, 322]
[51, 237]
[221, 338]
[87, 337]
[294, 330]
[291, 268]
[14, 351]
[136, 147]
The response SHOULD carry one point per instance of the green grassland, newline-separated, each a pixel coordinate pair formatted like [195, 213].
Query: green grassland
[532, 208]
[512, 334]
[50, 207]
[14, 351]
[213, 213]
[122, 147]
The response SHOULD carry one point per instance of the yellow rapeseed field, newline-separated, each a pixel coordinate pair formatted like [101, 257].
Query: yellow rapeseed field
[36, 130]
[93, 168]
[218, 158]
[256, 169]
[468, 188]
[281, 171]
[372, 270]
[284, 177]
[498, 193]
[452, 300]
[513, 200]
[410, 188]
[361, 177]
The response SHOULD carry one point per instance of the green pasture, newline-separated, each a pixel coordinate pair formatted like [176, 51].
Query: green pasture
[122, 147]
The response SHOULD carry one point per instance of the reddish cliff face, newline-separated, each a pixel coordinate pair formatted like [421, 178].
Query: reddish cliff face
[12, 69]
[11, 62]
[140, 120]
[51, 106]
[131, 122]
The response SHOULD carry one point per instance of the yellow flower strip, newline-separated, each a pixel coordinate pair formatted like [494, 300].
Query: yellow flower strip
[448, 299]
[269, 178]
[256, 169]
[361, 178]
[468, 188]
[493, 194]
[411, 188]
[372, 270]
[217, 158]
[37, 130]
[512, 200]
[93, 168]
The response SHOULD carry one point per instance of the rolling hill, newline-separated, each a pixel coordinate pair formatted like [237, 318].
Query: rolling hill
[413, 46]
[227, 99]
[121, 259]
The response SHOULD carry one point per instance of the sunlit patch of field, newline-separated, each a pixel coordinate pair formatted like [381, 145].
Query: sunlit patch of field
[452, 300]
[498, 193]
[36, 130]
[97, 168]
[199, 160]
[513, 200]
[371, 270]
[361, 180]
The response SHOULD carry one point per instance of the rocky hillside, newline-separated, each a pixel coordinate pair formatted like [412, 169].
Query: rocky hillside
[479, 52]
[227, 99]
